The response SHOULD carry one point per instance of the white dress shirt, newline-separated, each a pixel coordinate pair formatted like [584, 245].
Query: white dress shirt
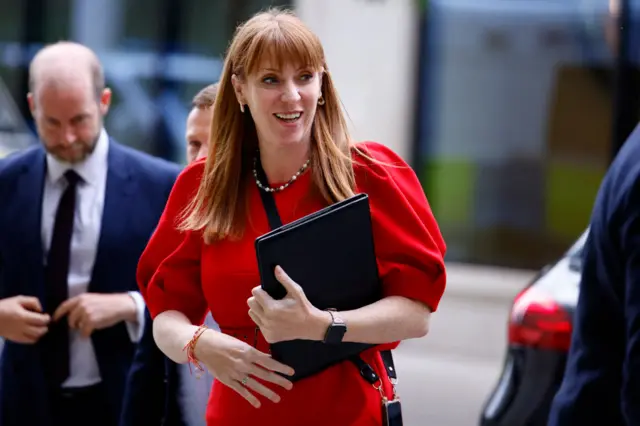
[87, 223]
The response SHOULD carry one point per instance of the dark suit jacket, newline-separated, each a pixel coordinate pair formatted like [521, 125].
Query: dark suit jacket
[146, 400]
[602, 377]
[151, 396]
[137, 189]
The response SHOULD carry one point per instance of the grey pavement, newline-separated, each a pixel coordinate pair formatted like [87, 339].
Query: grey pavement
[445, 378]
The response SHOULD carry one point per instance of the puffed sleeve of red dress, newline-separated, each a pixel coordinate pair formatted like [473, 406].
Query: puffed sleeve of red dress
[169, 269]
[409, 246]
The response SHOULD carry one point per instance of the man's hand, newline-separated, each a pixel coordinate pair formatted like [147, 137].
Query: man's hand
[93, 311]
[22, 320]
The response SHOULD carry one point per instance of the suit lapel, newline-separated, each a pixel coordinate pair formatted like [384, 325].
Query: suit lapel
[26, 218]
[120, 186]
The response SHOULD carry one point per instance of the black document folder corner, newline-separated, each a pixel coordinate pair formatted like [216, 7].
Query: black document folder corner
[331, 255]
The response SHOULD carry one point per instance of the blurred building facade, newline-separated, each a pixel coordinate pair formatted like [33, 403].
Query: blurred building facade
[157, 54]
[509, 112]
[522, 106]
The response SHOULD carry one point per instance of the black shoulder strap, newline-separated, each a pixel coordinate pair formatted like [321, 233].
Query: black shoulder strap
[273, 217]
[268, 201]
[387, 359]
[367, 372]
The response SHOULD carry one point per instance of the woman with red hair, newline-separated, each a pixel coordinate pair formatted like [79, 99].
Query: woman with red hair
[277, 110]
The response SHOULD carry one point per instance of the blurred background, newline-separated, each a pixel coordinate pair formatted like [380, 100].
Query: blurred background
[510, 112]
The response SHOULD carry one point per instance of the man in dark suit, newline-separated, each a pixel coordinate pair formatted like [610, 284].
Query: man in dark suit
[602, 377]
[160, 392]
[75, 214]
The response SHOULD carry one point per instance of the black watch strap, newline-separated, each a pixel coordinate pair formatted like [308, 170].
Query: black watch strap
[336, 330]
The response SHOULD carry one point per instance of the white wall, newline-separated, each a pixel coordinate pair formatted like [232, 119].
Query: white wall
[371, 48]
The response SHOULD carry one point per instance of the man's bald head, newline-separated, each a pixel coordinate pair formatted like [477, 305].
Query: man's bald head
[68, 100]
[66, 63]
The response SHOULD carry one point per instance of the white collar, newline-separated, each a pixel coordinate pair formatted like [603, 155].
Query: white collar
[89, 169]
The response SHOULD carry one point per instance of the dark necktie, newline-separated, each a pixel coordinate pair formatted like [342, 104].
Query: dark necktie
[57, 284]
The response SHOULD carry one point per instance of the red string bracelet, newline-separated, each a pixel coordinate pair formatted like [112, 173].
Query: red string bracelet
[190, 348]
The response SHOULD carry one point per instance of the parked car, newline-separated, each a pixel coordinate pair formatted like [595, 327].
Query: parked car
[539, 336]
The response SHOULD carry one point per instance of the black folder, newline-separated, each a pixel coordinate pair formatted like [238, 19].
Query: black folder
[331, 255]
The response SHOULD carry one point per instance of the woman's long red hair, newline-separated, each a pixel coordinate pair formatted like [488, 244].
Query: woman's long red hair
[219, 207]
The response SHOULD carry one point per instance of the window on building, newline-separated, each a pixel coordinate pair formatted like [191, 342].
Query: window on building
[516, 124]
[157, 54]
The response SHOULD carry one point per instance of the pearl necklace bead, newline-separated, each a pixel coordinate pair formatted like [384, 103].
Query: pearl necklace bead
[284, 185]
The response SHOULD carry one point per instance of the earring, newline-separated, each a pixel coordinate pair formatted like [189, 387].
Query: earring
[242, 108]
[320, 100]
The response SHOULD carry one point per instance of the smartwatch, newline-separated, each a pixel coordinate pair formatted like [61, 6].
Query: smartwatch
[335, 332]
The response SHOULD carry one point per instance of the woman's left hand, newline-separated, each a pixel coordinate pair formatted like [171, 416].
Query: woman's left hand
[292, 317]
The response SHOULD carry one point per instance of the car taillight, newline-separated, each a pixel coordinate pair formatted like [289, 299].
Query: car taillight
[538, 321]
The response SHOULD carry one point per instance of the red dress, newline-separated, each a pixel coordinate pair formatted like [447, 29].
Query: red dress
[196, 277]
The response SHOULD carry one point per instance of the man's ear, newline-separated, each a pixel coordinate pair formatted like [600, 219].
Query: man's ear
[105, 101]
[32, 103]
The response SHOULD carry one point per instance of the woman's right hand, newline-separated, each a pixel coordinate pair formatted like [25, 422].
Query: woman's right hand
[237, 365]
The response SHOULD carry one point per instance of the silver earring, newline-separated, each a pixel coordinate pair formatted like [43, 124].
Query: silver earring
[320, 100]
[242, 108]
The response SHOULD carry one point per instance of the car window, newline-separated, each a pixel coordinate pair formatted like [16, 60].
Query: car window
[575, 261]
[575, 253]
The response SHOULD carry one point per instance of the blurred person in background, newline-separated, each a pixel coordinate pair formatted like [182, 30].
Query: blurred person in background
[159, 391]
[76, 211]
[602, 375]
[199, 123]
[278, 110]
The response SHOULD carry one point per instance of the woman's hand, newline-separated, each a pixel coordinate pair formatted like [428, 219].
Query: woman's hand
[292, 317]
[237, 365]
